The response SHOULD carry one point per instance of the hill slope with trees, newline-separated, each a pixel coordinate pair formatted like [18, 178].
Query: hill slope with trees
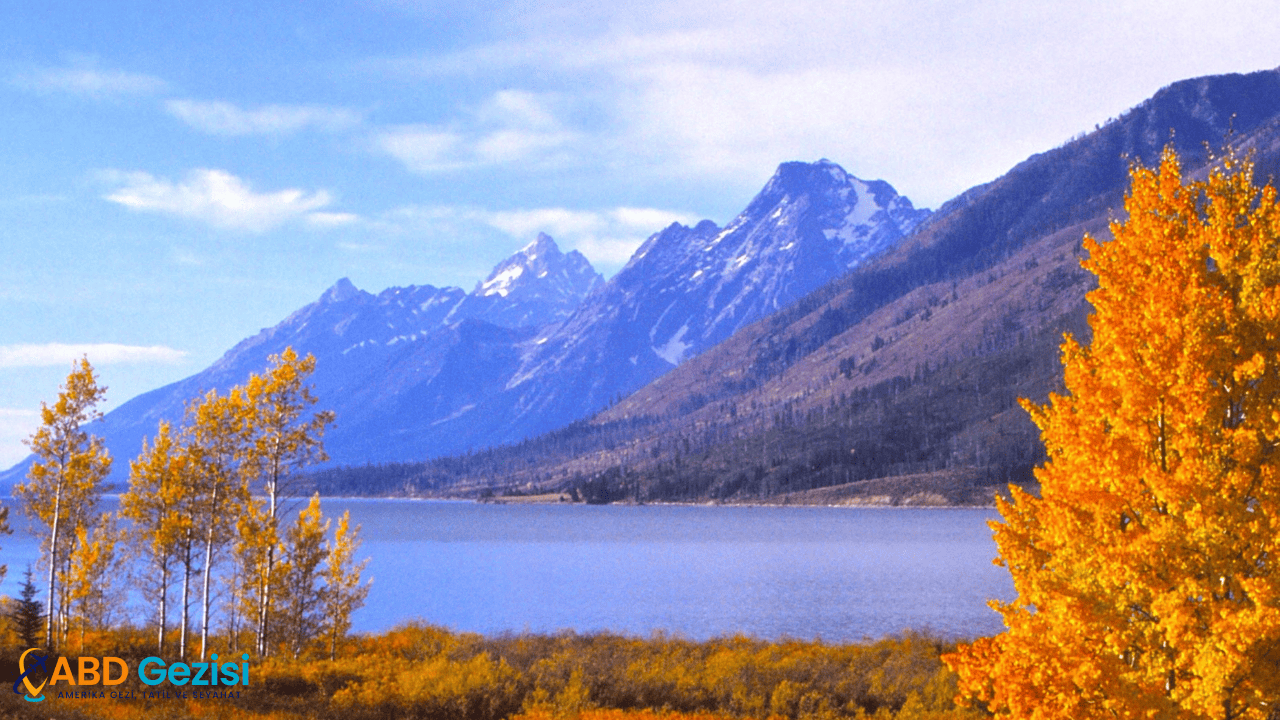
[897, 382]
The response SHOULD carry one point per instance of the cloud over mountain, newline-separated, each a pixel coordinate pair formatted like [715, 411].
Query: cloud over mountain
[88, 81]
[224, 118]
[46, 354]
[221, 199]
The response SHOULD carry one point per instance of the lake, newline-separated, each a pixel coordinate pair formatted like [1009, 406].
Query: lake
[839, 574]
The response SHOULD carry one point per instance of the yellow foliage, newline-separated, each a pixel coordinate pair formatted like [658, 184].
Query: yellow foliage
[1144, 571]
[427, 672]
[63, 483]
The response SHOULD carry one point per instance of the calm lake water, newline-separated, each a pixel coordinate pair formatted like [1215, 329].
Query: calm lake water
[835, 573]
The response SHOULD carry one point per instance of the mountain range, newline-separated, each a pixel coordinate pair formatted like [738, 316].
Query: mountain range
[420, 371]
[831, 343]
[897, 382]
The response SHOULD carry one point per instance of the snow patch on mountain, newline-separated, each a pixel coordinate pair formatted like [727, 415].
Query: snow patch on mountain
[673, 350]
[500, 284]
[687, 289]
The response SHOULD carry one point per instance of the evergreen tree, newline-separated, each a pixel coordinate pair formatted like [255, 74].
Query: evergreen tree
[28, 612]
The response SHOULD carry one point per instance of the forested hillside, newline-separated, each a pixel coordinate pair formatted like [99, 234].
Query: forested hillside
[897, 382]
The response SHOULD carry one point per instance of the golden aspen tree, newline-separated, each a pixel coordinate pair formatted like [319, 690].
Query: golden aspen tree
[301, 597]
[185, 554]
[253, 591]
[343, 593]
[282, 439]
[1146, 574]
[77, 520]
[155, 508]
[63, 484]
[90, 586]
[216, 431]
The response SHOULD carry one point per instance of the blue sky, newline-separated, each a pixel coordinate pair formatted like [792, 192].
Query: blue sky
[180, 175]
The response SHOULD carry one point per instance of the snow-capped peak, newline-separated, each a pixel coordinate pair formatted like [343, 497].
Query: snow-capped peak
[500, 282]
[537, 284]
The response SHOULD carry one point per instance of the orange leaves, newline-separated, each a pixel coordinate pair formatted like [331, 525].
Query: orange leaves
[1145, 570]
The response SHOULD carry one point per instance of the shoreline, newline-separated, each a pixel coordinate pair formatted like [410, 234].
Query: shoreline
[552, 499]
[538, 500]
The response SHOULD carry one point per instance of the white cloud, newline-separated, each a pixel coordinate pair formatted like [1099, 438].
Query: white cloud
[724, 90]
[89, 82]
[223, 118]
[509, 127]
[608, 237]
[557, 222]
[222, 199]
[331, 219]
[54, 354]
[422, 148]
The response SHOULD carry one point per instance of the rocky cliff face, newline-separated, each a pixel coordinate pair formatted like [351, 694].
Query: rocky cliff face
[421, 371]
[688, 288]
[390, 360]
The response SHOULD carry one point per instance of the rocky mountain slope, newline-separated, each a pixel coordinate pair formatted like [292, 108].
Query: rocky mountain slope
[419, 349]
[687, 289]
[897, 382]
[422, 371]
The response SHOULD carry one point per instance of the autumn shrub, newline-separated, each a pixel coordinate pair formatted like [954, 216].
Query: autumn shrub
[429, 673]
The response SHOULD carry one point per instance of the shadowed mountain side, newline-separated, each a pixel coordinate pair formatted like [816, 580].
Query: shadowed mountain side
[411, 373]
[910, 365]
[388, 364]
[687, 289]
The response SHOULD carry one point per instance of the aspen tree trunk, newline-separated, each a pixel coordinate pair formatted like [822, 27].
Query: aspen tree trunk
[233, 612]
[208, 568]
[263, 602]
[53, 567]
[204, 610]
[264, 597]
[64, 600]
[164, 607]
[186, 592]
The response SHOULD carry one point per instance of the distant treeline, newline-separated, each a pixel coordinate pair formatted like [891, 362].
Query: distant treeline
[935, 420]
[947, 414]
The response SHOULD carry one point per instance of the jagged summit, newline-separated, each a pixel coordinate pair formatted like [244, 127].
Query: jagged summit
[864, 216]
[687, 289]
[539, 260]
[405, 352]
[537, 285]
[543, 340]
[340, 291]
